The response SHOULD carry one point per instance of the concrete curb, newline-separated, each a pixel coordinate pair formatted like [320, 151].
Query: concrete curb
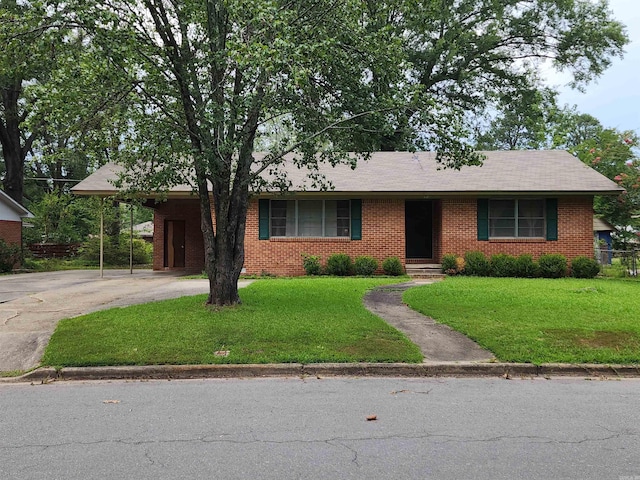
[439, 369]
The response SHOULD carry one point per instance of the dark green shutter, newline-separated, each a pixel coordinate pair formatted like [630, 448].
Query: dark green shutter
[483, 219]
[263, 219]
[552, 218]
[356, 219]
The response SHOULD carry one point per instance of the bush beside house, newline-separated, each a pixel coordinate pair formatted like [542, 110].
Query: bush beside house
[501, 265]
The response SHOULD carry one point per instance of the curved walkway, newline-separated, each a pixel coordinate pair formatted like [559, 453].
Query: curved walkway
[438, 342]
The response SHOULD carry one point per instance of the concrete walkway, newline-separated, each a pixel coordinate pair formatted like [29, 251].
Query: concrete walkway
[32, 304]
[438, 342]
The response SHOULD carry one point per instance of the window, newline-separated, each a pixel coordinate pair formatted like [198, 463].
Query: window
[310, 218]
[521, 218]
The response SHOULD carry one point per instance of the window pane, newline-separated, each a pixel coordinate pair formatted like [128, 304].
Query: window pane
[310, 218]
[531, 209]
[343, 218]
[343, 227]
[278, 218]
[278, 208]
[291, 218]
[502, 209]
[330, 212]
[502, 227]
[531, 227]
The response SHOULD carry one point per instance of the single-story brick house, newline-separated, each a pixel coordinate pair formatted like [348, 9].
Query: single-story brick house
[11, 215]
[397, 204]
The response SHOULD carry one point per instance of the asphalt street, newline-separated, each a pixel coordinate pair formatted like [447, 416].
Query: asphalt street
[310, 428]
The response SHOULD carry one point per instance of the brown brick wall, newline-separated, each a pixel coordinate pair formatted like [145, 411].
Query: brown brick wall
[454, 223]
[189, 212]
[11, 232]
[382, 237]
[575, 230]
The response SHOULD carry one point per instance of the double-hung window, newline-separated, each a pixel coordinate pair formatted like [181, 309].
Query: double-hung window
[310, 218]
[517, 218]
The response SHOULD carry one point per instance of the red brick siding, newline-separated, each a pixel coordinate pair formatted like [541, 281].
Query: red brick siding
[454, 227]
[11, 231]
[189, 212]
[382, 237]
[575, 230]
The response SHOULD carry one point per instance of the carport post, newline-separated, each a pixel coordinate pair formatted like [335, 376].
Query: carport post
[102, 237]
[131, 239]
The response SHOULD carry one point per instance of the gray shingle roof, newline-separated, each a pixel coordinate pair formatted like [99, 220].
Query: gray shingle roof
[406, 173]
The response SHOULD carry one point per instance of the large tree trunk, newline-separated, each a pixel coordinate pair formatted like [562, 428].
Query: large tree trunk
[13, 151]
[224, 247]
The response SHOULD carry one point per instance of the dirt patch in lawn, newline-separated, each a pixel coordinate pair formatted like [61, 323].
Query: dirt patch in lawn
[615, 340]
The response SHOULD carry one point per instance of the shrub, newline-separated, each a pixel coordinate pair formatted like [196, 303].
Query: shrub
[311, 264]
[365, 265]
[503, 265]
[476, 264]
[584, 267]
[449, 264]
[460, 265]
[9, 256]
[339, 264]
[116, 250]
[526, 267]
[392, 266]
[552, 266]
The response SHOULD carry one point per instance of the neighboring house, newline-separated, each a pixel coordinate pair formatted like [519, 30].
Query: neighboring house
[602, 238]
[144, 230]
[11, 215]
[397, 204]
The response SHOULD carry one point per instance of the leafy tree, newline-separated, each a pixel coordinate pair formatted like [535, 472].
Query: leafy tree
[61, 113]
[470, 57]
[524, 126]
[613, 153]
[33, 44]
[210, 75]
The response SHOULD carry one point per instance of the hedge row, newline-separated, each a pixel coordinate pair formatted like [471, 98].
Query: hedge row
[341, 265]
[501, 265]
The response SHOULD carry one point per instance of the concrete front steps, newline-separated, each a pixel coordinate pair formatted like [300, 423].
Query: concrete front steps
[424, 270]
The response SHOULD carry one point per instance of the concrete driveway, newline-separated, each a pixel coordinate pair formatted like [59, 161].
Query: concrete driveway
[32, 304]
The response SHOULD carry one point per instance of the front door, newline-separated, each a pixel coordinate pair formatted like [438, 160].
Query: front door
[418, 227]
[174, 244]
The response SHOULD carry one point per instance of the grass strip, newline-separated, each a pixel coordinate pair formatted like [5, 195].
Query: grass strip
[302, 320]
[539, 320]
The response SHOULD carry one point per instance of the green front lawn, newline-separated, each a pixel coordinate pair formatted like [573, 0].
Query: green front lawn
[539, 320]
[285, 320]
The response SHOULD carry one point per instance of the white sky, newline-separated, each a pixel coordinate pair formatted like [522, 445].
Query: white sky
[614, 98]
